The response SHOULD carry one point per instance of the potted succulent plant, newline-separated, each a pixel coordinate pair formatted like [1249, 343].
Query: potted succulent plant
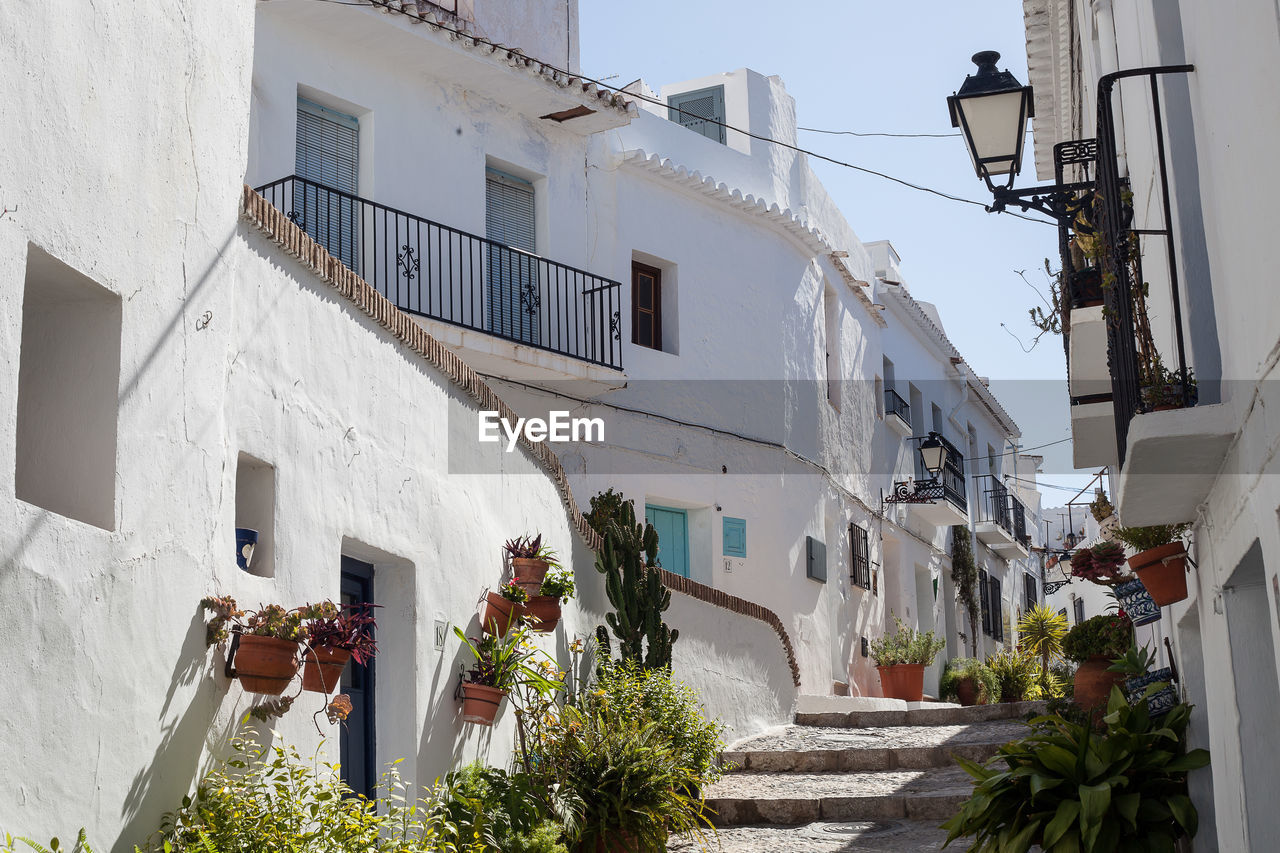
[1093, 644]
[1099, 564]
[264, 643]
[1135, 666]
[502, 663]
[543, 609]
[335, 635]
[901, 658]
[502, 608]
[1101, 507]
[1161, 561]
[969, 681]
[529, 559]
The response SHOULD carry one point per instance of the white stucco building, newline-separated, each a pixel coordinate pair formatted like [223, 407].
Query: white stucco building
[268, 265]
[1193, 147]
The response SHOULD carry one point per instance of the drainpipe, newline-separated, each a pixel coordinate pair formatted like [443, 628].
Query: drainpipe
[1109, 57]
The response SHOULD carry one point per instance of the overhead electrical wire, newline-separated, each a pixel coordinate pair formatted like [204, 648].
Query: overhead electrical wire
[639, 97]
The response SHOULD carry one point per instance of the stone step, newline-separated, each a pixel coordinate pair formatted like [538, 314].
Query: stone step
[741, 799]
[856, 715]
[809, 749]
[863, 836]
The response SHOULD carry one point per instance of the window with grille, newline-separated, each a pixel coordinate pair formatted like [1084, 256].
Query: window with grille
[1078, 605]
[701, 111]
[646, 305]
[1032, 598]
[327, 154]
[997, 609]
[984, 598]
[860, 549]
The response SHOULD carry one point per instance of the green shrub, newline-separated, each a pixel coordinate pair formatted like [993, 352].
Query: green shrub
[1016, 673]
[1107, 635]
[906, 645]
[1066, 787]
[502, 809]
[1145, 538]
[959, 669]
[272, 800]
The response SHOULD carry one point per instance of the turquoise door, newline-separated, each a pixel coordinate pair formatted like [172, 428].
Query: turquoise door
[673, 537]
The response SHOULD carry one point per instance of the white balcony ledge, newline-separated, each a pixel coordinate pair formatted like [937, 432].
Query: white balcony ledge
[1171, 462]
[999, 540]
[1093, 435]
[1087, 353]
[940, 513]
[898, 424]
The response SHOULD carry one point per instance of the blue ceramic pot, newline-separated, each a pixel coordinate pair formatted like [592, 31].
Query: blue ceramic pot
[246, 541]
[1137, 603]
[1160, 703]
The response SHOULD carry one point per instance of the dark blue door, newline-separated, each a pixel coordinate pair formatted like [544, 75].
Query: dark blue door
[356, 741]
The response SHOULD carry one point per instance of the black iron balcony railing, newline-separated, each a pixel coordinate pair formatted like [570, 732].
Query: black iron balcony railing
[441, 273]
[950, 482]
[895, 405]
[994, 507]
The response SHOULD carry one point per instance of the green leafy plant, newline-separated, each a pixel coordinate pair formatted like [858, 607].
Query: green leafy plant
[634, 587]
[1016, 673]
[1041, 631]
[1134, 662]
[1164, 388]
[349, 627]
[1106, 635]
[1145, 538]
[964, 575]
[274, 800]
[961, 669]
[55, 845]
[605, 507]
[509, 661]
[503, 810]
[558, 582]
[906, 645]
[1069, 788]
[512, 591]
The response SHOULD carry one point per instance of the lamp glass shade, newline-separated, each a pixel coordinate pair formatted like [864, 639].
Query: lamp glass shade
[991, 109]
[933, 455]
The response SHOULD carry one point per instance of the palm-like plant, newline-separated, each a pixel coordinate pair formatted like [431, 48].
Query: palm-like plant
[1040, 632]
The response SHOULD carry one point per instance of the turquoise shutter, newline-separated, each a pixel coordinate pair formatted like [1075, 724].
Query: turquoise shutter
[327, 152]
[672, 526]
[512, 278]
[701, 111]
[735, 537]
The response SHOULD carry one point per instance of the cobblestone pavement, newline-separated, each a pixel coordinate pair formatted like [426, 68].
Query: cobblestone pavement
[900, 836]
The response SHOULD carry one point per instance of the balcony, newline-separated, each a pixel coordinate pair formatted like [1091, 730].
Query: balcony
[897, 414]
[939, 502]
[1001, 522]
[542, 315]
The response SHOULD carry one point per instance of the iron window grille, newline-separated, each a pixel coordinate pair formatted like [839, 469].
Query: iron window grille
[860, 549]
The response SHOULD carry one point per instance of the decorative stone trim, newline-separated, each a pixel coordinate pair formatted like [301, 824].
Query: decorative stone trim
[733, 603]
[295, 242]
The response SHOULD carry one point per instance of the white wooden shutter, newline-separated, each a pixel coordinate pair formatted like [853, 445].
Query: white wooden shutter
[701, 111]
[328, 154]
[512, 279]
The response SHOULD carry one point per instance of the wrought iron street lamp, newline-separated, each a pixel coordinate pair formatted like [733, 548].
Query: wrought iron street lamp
[991, 109]
[933, 454]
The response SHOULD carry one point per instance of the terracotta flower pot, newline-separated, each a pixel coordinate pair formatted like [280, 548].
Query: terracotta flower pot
[531, 587]
[529, 569]
[265, 664]
[322, 668]
[480, 703]
[902, 681]
[1165, 581]
[544, 612]
[1093, 683]
[967, 691]
[500, 611]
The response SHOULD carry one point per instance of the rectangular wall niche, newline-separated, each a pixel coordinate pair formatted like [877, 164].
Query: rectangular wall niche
[256, 509]
[68, 393]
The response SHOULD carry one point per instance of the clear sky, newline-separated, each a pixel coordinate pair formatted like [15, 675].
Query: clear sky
[884, 67]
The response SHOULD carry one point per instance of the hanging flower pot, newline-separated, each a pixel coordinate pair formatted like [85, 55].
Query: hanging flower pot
[246, 541]
[1093, 682]
[498, 614]
[902, 681]
[1163, 571]
[480, 703]
[1137, 603]
[322, 668]
[529, 570]
[265, 664]
[543, 612]
[1160, 703]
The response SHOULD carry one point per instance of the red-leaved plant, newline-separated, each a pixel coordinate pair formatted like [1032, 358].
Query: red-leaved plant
[348, 627]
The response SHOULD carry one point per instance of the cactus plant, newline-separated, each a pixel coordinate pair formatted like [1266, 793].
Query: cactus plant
[634, 587]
